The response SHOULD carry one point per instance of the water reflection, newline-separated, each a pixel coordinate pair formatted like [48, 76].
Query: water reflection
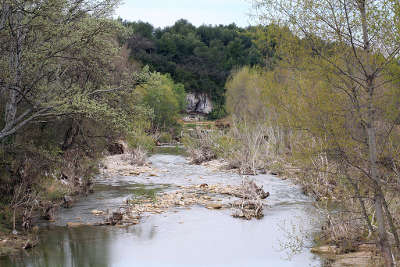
[67, 247]
[196, 237]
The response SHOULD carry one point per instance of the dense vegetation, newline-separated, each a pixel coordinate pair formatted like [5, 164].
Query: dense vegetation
[314, 95]
[67, 92]
[201, 58]
[329, 111]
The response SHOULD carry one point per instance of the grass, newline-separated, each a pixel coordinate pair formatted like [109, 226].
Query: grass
[143, 192]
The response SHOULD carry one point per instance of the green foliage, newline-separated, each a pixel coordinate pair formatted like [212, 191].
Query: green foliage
[219, 111]
[245, 95]
[164, 98]
[51, 189]
[201, 58]
[180, 94]
[70, 90]
[141, 139]
[5, 218]
[165, 138]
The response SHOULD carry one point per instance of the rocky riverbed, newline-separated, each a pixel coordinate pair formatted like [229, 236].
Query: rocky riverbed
[192, 224]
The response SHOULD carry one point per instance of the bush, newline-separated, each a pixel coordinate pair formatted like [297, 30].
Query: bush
[139, 156]
[165, 138]
[218, 112]
[165, 98]
[142, 140]
[52, 189]
[202, 146]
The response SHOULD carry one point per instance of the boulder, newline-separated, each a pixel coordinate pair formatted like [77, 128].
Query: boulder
[215, 206]
[199, 103]
[74, 224]
[97, 212]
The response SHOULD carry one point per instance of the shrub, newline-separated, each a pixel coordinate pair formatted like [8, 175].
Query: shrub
[202, 146]
[138, 156]
[142, 140]
[52, 189]
[165, 98]
[165, 138]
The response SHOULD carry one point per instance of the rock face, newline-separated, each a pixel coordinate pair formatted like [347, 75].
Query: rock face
[198, 103]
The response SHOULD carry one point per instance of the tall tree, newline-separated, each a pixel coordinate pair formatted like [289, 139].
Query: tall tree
[357, 41]
[201, 58]
[53, 54]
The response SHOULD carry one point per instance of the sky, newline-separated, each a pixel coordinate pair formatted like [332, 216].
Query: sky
[161, 13]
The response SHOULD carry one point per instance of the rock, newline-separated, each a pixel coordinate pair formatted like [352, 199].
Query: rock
[365, 256]
[324, 250]
[199, 103]
[264, 195]
[203, 186]
[153, 174]
[97, 212]
[355, 259]
[74, 224]
[215, 206]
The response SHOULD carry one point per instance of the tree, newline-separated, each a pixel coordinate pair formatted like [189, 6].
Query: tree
[355, 42]
[165, 98]
[200, 58]
[55, 58]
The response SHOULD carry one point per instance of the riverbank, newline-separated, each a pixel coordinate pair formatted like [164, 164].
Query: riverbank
[364, 255]
[359, 255]
[170, 231]
[346, 253]
[12, 244]
[247, 197]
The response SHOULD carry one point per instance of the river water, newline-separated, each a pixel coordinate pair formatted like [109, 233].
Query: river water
[182, 236]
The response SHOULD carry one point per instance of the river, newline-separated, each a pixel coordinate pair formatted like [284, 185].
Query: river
[182, 236]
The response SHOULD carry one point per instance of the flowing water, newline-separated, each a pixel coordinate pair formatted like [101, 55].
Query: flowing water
[182, 236]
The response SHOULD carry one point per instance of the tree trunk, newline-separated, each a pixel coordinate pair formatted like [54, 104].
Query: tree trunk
[15, 65]
[383, 242]
[379, 199]
[371, 137]
[362, 204]
[392, 226]
[70, 135]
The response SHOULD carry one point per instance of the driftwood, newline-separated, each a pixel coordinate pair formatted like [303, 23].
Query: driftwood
[250, 205]
[115, 218]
